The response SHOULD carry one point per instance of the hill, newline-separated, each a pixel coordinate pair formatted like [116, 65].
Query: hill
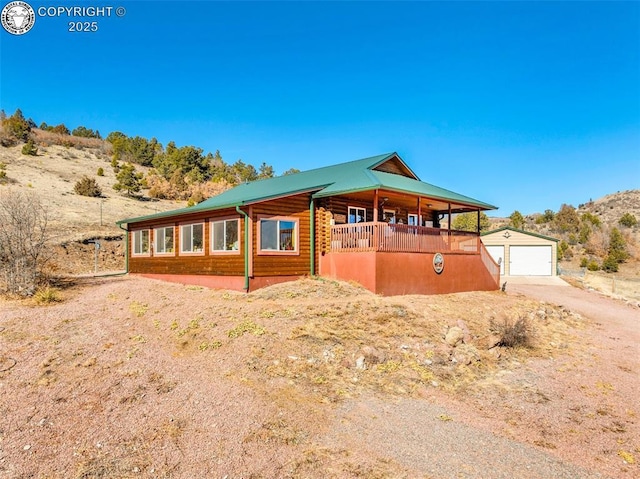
[76, 219]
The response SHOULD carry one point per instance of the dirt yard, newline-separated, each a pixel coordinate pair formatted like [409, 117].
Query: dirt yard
[133, 378]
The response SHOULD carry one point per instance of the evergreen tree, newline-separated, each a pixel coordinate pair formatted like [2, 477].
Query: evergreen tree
[469, 222]
[265, 171]
[129, 180]
[516, 220]
[567, 220]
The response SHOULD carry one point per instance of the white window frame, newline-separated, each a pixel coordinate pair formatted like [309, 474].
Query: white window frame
[391, 213]
[415, 219]
[296, 236]
[358, 210]
[137, 243]
[225, 221]
[190, 251]
[160, 233]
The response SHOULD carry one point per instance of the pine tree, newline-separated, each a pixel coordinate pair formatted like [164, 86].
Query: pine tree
[128, 179]
[516, 220]
[617, 251]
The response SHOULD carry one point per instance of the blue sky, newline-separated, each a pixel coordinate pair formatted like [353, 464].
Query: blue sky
[524, 105]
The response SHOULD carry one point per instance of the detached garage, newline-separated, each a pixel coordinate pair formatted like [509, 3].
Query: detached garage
[522, 253]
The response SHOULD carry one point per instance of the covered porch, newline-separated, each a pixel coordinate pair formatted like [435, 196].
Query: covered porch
[388, 241]
[401, 238]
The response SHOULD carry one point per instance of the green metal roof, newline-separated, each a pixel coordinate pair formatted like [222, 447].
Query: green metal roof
[350, 177]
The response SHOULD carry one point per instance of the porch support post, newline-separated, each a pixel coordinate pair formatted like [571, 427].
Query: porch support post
[478, 240]
[375, 206]
[376, 202]
[312, 236]
[419, 211]
[449, 222]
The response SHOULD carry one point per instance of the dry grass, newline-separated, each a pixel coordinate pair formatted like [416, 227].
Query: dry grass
[132, 376]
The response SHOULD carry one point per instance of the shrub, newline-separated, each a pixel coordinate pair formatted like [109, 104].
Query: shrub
[24, 239]
[30, 148]
[513, 333]
[584, 262]
[593, 265]
[100, 171]
[610, 264]
[87, 187]
[628, 220]
[47, 295]
[3, 173]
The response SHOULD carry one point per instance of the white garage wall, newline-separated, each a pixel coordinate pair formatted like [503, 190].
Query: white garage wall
[508, 237]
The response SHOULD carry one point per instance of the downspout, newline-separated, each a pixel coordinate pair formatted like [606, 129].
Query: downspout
[126, 248]
[312, 236]
[246, 248]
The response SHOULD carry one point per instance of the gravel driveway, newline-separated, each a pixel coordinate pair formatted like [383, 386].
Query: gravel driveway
[447, 439]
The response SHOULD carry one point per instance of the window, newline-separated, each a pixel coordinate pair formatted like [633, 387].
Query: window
[163, 238]
[357, 215]
[413, 219]
[224, 235]
[279, 235]
[389, 216]
[141, 243]
[192, 238]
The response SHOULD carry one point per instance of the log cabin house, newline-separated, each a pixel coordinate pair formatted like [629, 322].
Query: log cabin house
[371, 221]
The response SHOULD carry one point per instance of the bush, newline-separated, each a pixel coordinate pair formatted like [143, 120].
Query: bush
[593, 265]
[24, 239]
[100, 171]
[513, 334]
[30, 148]
[628, 220]
[87, 187]
[610, 264]
[584, 262]
[47, 295]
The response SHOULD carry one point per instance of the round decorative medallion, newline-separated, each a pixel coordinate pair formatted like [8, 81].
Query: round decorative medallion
[438, 263]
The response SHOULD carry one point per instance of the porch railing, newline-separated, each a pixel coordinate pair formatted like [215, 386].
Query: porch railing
[400, 238]
[490, 263]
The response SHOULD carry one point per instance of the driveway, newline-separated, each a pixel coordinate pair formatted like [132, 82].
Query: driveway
[614, 314]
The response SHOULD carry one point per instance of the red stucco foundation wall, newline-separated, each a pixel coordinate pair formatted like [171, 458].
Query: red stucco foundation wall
[234, 283]
[408, 273]
[359, 267]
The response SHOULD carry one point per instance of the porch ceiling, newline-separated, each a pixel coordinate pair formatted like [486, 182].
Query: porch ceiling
[410, 203]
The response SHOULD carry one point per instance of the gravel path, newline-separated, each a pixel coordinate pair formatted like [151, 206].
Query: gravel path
[434, 443]
[445, 439]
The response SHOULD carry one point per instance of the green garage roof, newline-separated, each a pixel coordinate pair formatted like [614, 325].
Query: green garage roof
[351, 177]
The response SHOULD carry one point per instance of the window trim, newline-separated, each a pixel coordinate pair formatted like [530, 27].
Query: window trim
[349, 208]
[212, 221]
[133, 243]
[270, 252]
[192, 253]
[155, 241]
[392, 212]
[413, 215]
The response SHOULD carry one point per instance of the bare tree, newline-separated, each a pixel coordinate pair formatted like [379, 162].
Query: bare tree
[24, 241]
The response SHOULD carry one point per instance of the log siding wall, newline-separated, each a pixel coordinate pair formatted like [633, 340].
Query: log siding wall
[229, 264]
[206, 263]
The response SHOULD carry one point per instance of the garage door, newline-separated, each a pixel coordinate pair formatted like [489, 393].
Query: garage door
[497, 253]
[530, 260]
